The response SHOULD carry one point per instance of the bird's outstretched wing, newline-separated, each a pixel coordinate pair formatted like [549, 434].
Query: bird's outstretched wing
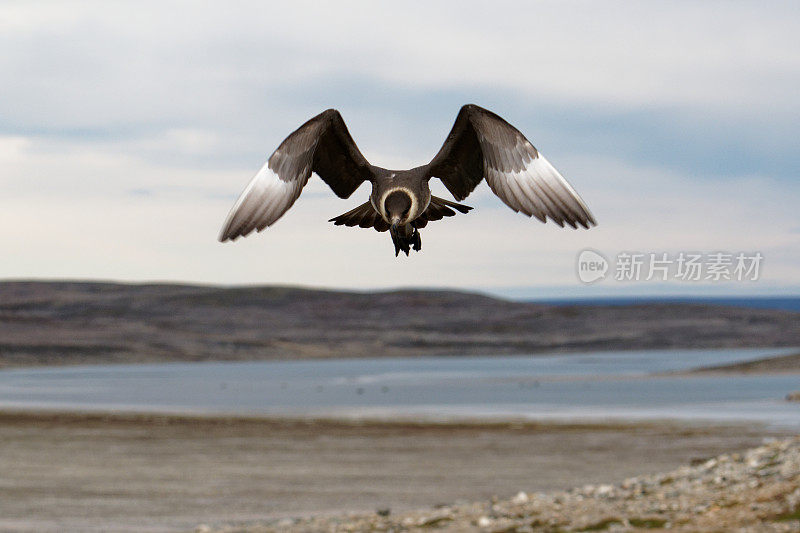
[481, 144]
[322, 145]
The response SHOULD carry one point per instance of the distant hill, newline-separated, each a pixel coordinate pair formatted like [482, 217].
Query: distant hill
[88, 322]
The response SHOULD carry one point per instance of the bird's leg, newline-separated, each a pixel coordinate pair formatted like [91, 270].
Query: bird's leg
[400, 243]
[416, 240]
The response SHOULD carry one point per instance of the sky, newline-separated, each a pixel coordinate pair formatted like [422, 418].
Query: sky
[127, 130]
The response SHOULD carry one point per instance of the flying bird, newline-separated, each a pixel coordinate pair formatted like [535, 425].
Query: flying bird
[480, 145]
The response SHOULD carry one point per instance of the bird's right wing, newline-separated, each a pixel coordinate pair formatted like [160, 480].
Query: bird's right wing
[482, 144]
[322, 145]
[363, 216]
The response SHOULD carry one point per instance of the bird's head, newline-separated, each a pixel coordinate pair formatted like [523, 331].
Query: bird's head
[397, 206]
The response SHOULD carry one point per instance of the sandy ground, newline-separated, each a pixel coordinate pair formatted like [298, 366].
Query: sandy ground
[79, 472]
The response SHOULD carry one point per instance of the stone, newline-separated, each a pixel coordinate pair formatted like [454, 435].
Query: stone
[484, 521]
[520, 498]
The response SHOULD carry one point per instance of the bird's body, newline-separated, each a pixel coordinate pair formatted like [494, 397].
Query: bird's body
[480, 145]
[400, 197]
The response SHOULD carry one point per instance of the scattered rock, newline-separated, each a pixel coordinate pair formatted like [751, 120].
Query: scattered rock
[755, 491]
[604, 491]
[521, 497]
[434, 520]
[484, 521]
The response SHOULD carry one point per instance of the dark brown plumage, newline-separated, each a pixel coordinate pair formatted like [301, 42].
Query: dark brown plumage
[481, 145]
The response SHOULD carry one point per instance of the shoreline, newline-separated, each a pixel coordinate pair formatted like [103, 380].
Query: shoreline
[770, 364]
[10, 416]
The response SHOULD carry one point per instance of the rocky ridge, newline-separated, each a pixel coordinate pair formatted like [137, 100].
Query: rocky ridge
[62, 322]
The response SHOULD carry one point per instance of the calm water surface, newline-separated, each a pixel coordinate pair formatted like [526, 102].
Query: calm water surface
[589, 386]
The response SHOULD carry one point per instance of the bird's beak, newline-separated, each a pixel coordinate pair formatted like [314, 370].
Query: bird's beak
[395, 222]
[394, 227]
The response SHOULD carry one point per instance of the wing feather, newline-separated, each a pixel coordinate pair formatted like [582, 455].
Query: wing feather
[437, 209]
[321, 145]
[363, 216]
[513, 168]
[265, 199]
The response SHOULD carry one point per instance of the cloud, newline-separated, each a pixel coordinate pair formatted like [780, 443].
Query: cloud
[693, 86]
[126, 132]
[90, 65]
[113, 231]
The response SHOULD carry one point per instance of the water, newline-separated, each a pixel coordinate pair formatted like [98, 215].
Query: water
[782, 303]
[591, 387]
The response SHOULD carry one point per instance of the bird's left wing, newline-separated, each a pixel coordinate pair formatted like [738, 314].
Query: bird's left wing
[481, 144]
[438, 209]
[322, 145]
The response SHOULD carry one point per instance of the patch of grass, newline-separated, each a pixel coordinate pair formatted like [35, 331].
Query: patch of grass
[794, 514]
[602, 524]
[647, 523]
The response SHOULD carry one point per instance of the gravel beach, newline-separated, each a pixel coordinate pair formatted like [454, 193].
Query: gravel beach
[162, 473]
[754, 491]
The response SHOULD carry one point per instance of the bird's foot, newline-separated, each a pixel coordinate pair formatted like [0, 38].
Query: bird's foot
[416, 241]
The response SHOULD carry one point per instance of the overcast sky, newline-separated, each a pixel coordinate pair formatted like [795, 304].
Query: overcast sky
[128, 130]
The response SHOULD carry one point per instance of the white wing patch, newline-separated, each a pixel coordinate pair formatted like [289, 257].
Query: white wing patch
[538, 189]
[265, 199]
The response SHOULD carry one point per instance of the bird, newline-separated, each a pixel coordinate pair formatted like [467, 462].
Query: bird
[481, 145]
